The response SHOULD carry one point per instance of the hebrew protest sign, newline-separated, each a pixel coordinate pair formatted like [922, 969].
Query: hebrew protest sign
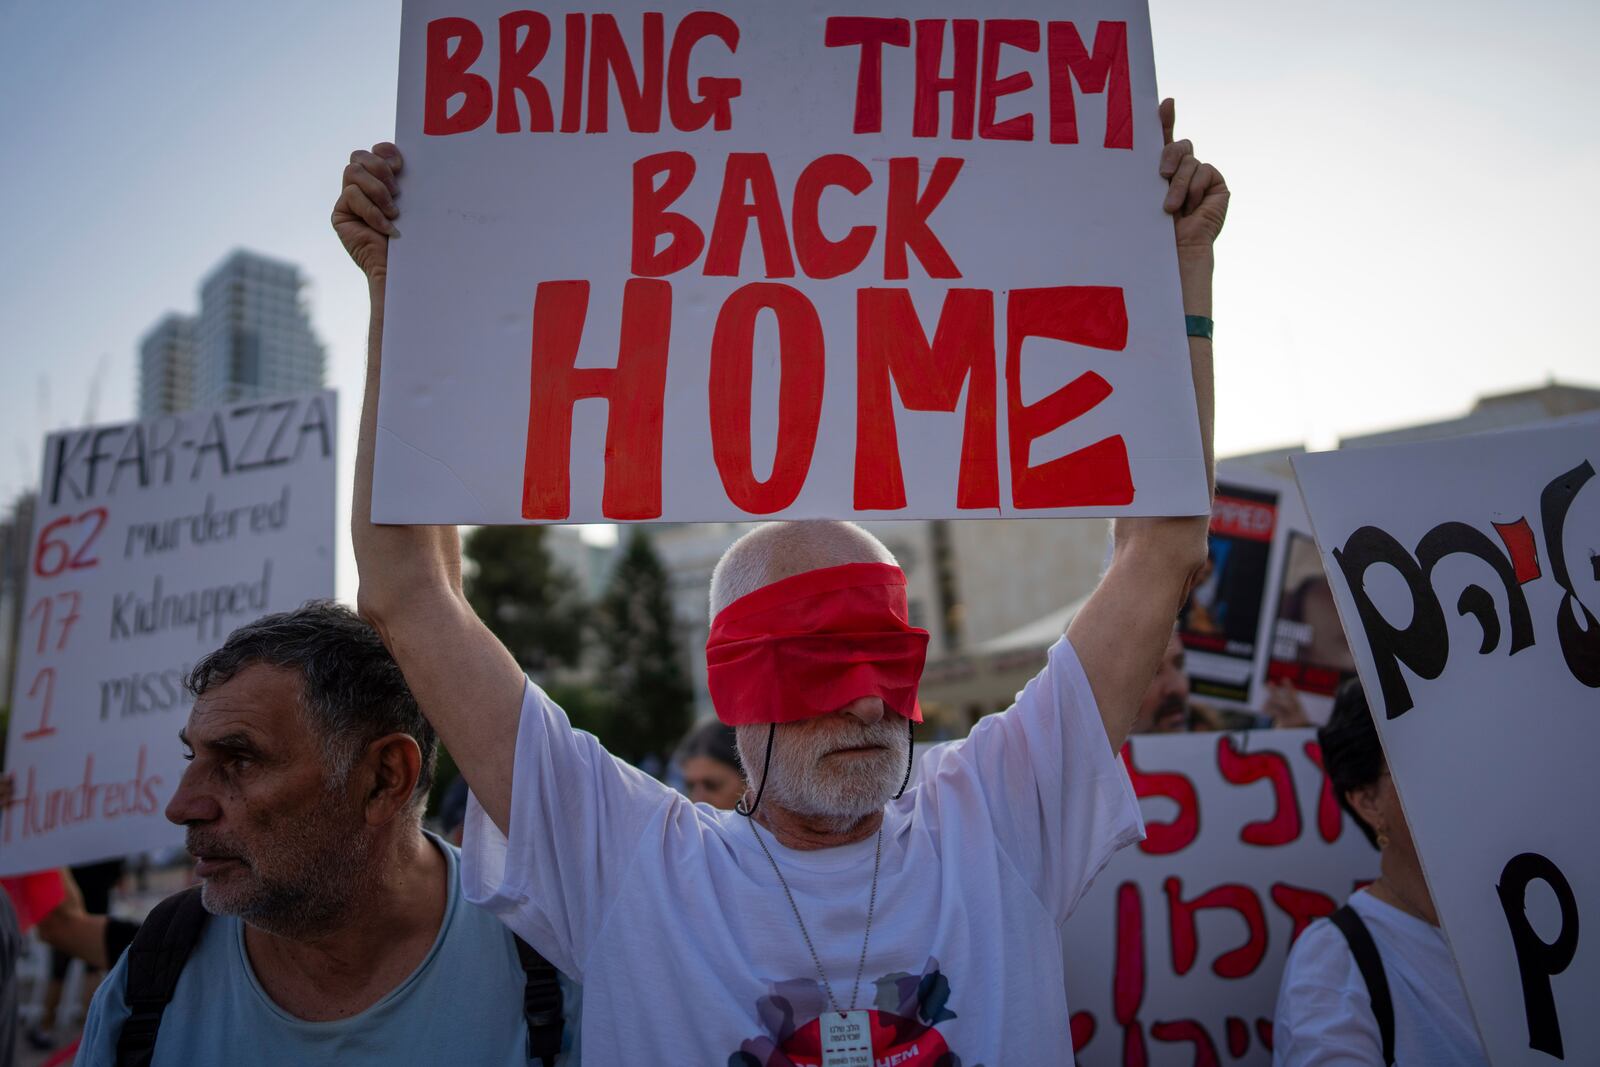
[1224, 625]
[1466, 574]
[152, 541]
[1174, 956]
[716, 261]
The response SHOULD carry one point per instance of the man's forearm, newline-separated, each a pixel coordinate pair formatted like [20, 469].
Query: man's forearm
[1194, 273]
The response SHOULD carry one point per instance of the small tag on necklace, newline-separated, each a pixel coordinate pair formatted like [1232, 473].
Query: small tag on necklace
[846, 1038]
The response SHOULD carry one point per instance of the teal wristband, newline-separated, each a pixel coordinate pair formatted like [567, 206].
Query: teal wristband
[1198, 326]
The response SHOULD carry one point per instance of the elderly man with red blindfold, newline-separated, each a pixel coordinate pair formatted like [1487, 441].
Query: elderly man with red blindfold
[843, 915]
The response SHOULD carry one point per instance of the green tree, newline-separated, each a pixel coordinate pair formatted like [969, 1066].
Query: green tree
[527, 599]
[651, 700]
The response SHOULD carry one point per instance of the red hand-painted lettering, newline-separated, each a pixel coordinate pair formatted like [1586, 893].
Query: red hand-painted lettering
[1242, 768]
[1236, 962]
[892, 348]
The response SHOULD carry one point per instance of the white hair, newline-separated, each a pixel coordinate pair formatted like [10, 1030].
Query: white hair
[804, 782]
[774, 551]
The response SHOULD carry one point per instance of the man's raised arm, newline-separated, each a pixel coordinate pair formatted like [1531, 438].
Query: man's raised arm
[466, 683]
[1121, 632]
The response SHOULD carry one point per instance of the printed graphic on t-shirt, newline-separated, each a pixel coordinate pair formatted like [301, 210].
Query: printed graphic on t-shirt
[906, 1009]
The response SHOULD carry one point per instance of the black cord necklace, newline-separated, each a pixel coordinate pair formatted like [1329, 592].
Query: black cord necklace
[766, 765]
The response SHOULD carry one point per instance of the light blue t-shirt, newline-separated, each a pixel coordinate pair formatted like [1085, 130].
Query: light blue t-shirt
[463, 1004]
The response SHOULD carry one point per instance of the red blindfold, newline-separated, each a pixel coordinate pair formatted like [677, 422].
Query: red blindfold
[809, 645]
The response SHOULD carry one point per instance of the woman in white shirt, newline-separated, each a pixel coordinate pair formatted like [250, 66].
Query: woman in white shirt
[1376, 983]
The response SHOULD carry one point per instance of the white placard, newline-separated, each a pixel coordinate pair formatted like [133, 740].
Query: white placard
[1174, 955]
[709, 261]
[152, 541]
[1466, 575]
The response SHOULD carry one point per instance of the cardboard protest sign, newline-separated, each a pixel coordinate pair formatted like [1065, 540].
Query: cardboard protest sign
[1309, 650]
[152, 541]
[1174, 956]
[1469, 586]
[1224, 625]
[730, 260]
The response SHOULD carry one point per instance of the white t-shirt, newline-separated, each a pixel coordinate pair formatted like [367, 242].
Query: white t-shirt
[671, 916]
[1324, 1015]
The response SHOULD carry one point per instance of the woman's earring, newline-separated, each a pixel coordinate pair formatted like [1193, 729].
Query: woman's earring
[1383, 840]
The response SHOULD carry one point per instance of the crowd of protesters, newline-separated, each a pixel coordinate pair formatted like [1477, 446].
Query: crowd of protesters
[576, 905]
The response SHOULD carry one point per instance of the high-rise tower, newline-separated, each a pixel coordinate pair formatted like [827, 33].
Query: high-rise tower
[166, 367]
[254, 336]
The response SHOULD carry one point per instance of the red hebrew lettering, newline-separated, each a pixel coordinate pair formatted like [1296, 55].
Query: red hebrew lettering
[1134, 1053]
[572, 85]
[1083, 1028]
[634, 391]
[997, 33]
[820, 257]
[801, 355]
[1330, 817]
[651, 219]
[1301, 905]
[1127, 977]
[906, 224]
[1235, 963]
[1238, 1036]
[448, 74]
[516, 73]
[871, 34]
[749, 192]
[716, 94]
[1264, 1033]
[1520, 549]
[1242, 768]
[640, 95]
[891, 346]
[1162, 838]
[1098, 474]
[1205, 1053]
[961, 85]
[1106, 71]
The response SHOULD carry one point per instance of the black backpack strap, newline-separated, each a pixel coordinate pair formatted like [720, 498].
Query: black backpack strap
[1365, 950]
[155, 960]
[541, 1004]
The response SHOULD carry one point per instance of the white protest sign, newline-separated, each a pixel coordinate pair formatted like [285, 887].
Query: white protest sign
[1174, 956]
[152, 541]
[1466, 575]
[711, 261]
[1224, 625]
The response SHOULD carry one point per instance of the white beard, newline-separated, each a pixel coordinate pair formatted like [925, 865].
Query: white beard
[839, 791]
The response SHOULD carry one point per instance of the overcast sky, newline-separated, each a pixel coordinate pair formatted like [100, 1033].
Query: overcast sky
[1413, 222]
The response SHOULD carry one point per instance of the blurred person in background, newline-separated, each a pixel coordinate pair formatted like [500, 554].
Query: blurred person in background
[10, 946]
[1375, 982]
[708, 758]
[1166, 707]
[51, 905]
[94, 883]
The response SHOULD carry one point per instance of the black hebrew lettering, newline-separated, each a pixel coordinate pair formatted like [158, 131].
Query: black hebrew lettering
[1580, 645]
[1539, 961]
[1452, 538]
[1423, 645]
